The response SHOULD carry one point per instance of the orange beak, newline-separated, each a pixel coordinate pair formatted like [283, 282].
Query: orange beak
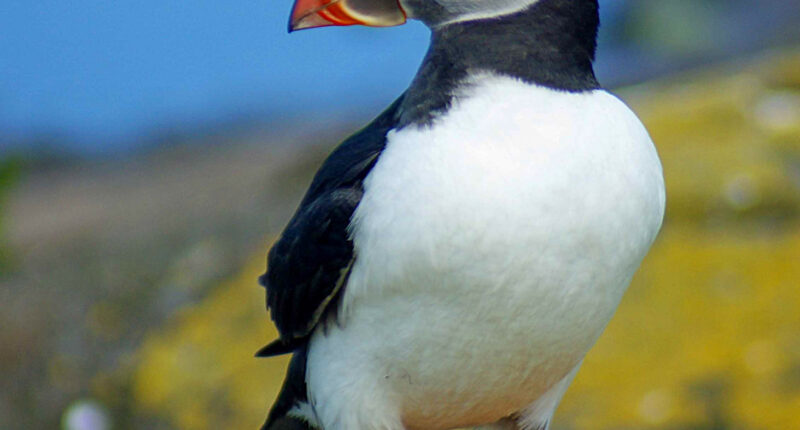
[322, 13]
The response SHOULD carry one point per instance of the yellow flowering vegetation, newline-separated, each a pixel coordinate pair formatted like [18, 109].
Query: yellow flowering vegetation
[708, 336]
[200, 372]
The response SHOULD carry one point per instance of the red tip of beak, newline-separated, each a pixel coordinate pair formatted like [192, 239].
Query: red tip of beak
[319, 13]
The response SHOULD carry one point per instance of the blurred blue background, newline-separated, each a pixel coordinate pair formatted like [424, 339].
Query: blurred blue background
[150, 152]
[94, 76]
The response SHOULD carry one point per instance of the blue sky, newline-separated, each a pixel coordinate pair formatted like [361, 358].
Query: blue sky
[102, 74]
[98, 70]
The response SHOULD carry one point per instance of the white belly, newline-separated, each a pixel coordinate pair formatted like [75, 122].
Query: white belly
[492, 250]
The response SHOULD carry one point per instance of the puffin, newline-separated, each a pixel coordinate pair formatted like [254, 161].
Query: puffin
[453, 262]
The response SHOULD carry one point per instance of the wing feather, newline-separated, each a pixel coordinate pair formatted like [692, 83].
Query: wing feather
[309, 265]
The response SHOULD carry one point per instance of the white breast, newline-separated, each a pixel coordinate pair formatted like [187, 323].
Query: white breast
[492, 249]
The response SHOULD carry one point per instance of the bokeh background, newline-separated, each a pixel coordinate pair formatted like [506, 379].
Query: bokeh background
[150, 152]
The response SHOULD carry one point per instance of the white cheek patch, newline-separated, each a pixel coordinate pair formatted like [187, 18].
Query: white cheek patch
[468, 10]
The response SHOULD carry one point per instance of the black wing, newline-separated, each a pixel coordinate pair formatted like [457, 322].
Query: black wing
[307, 267]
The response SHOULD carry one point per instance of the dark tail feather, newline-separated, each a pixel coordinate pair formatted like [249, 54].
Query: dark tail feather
[293, 392]
[279, 347]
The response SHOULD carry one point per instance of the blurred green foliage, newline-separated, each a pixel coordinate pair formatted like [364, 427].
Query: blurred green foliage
[10, 168]
[708, 336]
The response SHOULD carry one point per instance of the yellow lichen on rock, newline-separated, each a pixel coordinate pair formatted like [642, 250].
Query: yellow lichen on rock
[199, 372]
[709, 334]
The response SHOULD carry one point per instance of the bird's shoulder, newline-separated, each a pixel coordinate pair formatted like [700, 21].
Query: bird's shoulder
[352, 160]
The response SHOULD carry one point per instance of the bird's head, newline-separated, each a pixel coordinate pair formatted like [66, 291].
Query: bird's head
[387, 13]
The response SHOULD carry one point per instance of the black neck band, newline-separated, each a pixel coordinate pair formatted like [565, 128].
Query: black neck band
[551, 43]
